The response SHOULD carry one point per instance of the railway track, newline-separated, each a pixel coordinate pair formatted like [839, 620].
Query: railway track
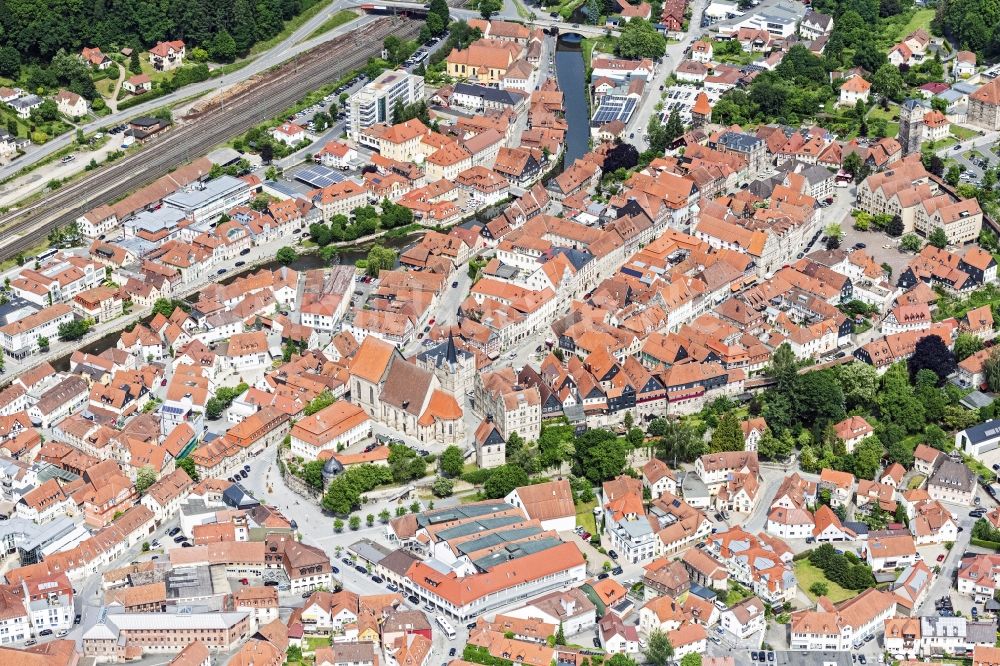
[276, 91]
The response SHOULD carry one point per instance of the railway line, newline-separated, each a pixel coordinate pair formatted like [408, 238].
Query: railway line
[214, 124]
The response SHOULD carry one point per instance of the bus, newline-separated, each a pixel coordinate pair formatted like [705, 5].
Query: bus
[446, 626]
[46, 254]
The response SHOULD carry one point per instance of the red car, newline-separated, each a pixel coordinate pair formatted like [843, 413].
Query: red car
[940, 558]
[244, 581]
[585, 536]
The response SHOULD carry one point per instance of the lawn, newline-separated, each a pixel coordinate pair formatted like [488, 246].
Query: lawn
[335, 21]
[807, 574]
[735, 594]
[916, 481]
[585, 516]
[313, 642]
[603, 44]
[920, 19]
[964, 133]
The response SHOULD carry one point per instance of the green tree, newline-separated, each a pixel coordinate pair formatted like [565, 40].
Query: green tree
[600, 455]
[370, 519]
[728, 436]
[223, 47]
[773, 447]
[910, 243]
[819, 400]
[504, 479]
[819, 589]
[452, 461]
[383, 516]
[134, 65]
[888, 83]
[188, 466]
[488, 8]
[10, 62]
[214, 408]
[338, 525]
[74, 330]
[312, 473]
[691, 659]
[144, 478]
[355, 522]
[658, 649]
[853, 164]
[379, 259]
[674, 128]
[319, 403]
[859, 383]
[286, 256]
[680, 443]
[953, 175]
[639, 39]
[966, 344]
[867, 457]
[560, 635]
[991, 370]
[938, 238]
[443, 487]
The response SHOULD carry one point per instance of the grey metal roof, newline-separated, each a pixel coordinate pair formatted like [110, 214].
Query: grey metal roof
[497, 538]
[475, 526]
[983, 432]
[495, 95]
[739, 141]
[515, 551]
[461, 512]
[369, 551]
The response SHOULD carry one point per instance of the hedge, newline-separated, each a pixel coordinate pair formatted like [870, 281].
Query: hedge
[992, 545]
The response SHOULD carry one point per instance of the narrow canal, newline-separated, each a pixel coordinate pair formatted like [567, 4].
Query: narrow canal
[571, 75]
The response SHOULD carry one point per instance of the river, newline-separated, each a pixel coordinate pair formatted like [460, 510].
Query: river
[571, 74]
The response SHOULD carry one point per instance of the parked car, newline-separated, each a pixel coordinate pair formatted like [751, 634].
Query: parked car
[174, 531]
[45, 632]
[360, 569]
[613, 555]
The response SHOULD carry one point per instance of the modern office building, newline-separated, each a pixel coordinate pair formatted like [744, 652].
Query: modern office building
[374, 103]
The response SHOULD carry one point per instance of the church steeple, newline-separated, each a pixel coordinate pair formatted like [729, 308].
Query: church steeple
[451, 354]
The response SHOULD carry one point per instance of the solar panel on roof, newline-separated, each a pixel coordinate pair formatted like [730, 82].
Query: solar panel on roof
[614, 107]
[319, 176]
